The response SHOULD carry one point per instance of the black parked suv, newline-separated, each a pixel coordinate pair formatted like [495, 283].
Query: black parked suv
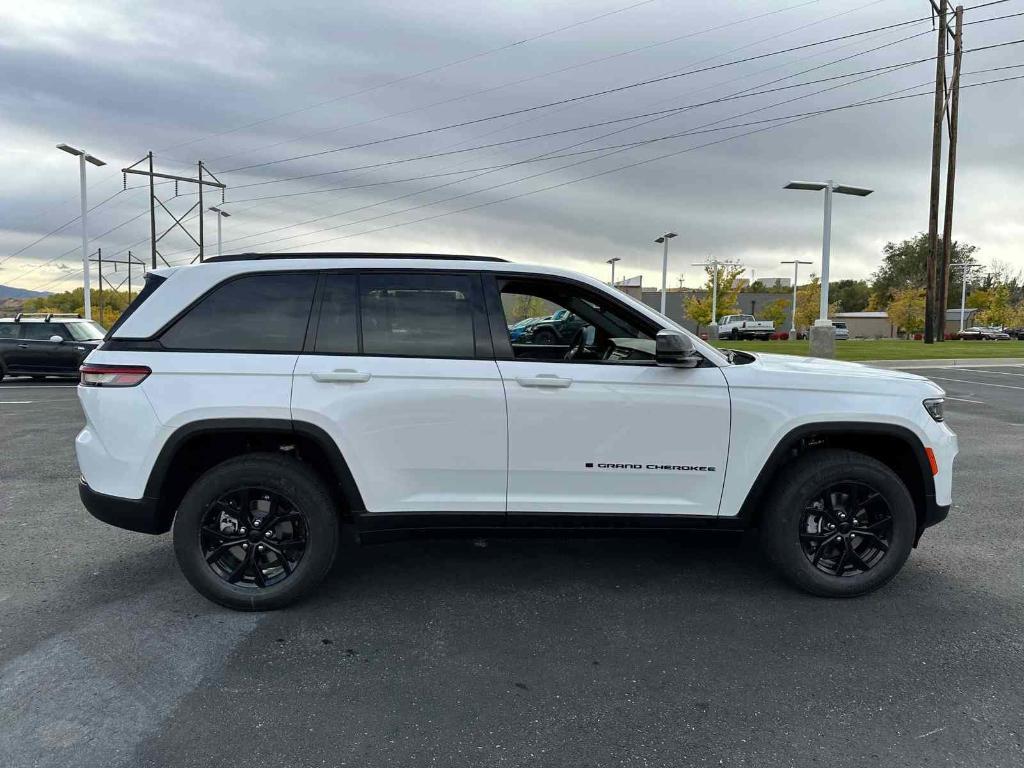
[46, 344]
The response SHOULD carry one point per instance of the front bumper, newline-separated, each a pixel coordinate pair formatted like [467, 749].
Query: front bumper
[140, 515]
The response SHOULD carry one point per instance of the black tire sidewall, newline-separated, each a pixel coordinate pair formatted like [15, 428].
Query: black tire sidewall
[813, 471]
[278, 474]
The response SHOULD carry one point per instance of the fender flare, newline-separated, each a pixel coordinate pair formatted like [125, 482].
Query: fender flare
[283, 427]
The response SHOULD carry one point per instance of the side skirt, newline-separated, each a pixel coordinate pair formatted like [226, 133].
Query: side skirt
[376, 527]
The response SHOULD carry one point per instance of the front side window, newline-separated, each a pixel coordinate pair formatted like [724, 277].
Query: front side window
[255, 313]
[85, 331]
[552, 320]
[416, 315]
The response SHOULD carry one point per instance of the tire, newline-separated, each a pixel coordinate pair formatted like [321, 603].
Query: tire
[545, 336]
[793, 532]
[244, 482]
[734, 335]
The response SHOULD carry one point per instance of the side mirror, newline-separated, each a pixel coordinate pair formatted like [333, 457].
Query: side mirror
[675, 349]
[56, 338]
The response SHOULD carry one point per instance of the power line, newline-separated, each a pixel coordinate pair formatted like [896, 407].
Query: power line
[595, 175]
[415, 75]
[544, 156]
[514, 181]
[542, 75]
[575, 99]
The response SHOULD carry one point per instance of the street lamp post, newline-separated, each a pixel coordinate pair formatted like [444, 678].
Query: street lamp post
[792, 314]
[664, 266]
[826, 346]
[221, 215]
[612, 262]
[83, 158]
[966, 266]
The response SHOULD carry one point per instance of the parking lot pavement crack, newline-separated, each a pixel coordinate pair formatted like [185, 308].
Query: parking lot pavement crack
[88, 696]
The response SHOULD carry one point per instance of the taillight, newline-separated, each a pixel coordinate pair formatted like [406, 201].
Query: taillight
[113, 375]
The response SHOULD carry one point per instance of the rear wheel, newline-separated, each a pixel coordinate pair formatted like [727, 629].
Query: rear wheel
[256, 532]
[841, 524]
[545, 336]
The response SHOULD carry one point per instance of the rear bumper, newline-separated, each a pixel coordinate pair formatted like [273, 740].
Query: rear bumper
[139, 515]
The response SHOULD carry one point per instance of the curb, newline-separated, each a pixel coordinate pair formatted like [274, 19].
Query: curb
[975, 362]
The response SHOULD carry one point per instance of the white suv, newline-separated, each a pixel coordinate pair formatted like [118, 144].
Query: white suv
[252, 402]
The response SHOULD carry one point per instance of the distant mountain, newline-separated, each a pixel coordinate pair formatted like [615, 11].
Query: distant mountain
[10, 292]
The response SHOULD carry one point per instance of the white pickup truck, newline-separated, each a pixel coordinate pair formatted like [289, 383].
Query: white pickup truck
[744, 327]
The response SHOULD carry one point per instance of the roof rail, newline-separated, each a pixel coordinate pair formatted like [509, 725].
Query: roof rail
[47, 316]
[264, 256]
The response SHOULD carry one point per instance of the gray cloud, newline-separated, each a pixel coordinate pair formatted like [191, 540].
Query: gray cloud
[122, 78]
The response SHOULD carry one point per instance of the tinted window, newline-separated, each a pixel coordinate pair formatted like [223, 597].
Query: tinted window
[42, 331]
[416, 315]
[339, 330]
[258, 313]
[8, 330]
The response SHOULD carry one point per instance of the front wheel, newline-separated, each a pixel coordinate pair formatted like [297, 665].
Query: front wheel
[840, 524]
[256, 532]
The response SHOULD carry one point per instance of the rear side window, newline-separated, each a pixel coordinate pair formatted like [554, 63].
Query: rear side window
[416, 315]
[42, 331]
[256, 313]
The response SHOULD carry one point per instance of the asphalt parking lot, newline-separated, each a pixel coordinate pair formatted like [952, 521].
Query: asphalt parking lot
[568, 652]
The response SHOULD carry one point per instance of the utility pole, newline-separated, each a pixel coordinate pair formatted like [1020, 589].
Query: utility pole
[933, 200]
[83, 158]
[664, 266]
[952, 116]
[792, 310]
[177, 221]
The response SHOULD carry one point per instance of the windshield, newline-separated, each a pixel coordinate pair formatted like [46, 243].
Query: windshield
[86, 331]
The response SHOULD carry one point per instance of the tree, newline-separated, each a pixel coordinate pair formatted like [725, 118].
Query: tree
[905, 265]
[906, 310]
[850, 295]
[699, 309]
[996, 309]
[778, 313]
[107, 305]
[524, 306]
[808, 300]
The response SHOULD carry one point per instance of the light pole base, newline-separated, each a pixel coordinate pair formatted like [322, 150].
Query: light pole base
[823, 340]
[712, 331]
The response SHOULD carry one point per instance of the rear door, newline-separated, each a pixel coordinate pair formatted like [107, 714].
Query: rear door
[400, 372]
[33, 350]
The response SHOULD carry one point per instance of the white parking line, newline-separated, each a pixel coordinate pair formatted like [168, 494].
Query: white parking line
[978, 383]
[1001, 373]
[965, 400]
[39, 387]
[16, 402]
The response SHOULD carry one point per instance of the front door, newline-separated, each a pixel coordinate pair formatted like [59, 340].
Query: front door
[401, 374]
[596, 427]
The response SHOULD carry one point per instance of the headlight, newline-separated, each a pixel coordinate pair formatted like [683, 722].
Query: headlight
[934, 406]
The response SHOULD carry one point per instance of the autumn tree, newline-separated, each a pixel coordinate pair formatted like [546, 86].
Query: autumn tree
[808, 301]
[699, 309]
[107, 305]
[777, 312]
[906, 310]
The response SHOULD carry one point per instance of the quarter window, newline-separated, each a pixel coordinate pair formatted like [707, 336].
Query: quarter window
[416, 315]
[256, 313]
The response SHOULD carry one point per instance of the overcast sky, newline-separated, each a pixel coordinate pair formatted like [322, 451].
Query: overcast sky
[243, 83]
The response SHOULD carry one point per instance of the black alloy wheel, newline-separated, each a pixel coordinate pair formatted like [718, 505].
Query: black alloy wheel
[846, 529]
[257, 532]
[253, 537]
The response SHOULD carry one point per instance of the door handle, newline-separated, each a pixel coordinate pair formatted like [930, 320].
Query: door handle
[544, 380]
[23, 346]
[346, 374]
